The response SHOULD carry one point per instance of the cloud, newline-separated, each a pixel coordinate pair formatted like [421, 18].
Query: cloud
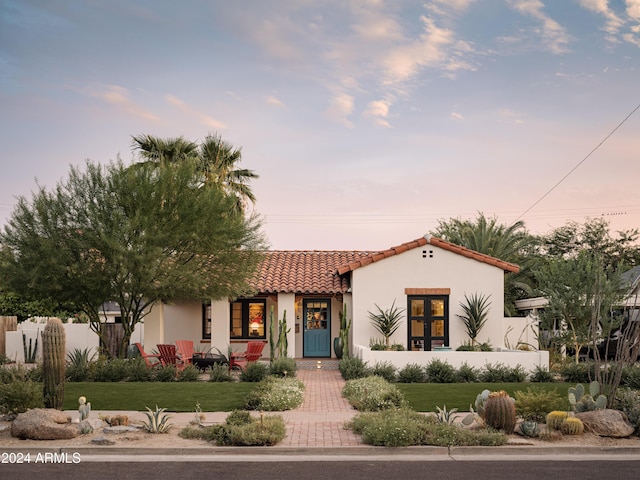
[456, 116]
[613, 22]
[378, 110]
[118, 96]
[633, 10]
[340, 108]
[553, 35]
[202, 117]
[273, 101]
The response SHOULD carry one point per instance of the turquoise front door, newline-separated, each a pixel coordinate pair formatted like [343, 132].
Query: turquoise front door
[317, 328]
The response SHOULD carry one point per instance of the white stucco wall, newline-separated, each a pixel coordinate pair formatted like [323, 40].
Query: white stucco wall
[384, 281]
[512, 358]
[78, 336]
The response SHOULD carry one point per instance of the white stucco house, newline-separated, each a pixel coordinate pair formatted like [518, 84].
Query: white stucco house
[427, 277]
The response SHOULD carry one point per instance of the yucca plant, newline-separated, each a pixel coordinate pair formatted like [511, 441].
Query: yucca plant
[476, 312]
[387, 321]
[158, 421]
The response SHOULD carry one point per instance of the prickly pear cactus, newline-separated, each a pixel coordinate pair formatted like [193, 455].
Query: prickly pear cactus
[556, 418]
[500, 411]
[572, 426]
[591, 401]
[53, 363]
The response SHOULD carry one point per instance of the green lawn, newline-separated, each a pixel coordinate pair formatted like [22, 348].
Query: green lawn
[175, 396]
[425, 397]
[224, 397]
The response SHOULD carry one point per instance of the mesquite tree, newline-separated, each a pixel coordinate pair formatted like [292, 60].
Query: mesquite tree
[135, 236]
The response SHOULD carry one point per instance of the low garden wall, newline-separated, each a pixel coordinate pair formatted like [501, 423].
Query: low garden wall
[529, 360]
[79, 336]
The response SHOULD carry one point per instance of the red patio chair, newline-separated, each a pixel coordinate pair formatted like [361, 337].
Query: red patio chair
[185, 350]
[169, 356]
[252, 354]
[149, 360]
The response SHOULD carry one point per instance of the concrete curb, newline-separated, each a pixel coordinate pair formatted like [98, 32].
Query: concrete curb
[320, 452]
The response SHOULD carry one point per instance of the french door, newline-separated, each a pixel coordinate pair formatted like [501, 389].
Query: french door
[428, 321]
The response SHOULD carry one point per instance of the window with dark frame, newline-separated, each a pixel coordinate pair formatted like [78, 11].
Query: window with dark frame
[206, 321]
[428, 321]
[248, 319]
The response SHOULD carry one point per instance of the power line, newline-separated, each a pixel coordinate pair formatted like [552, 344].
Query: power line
[578, 164]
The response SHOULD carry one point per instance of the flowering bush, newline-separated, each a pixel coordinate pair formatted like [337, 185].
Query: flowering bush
[276, 394]
[371, 394]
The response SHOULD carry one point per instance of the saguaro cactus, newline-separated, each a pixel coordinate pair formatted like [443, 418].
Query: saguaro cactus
[500, 411]
[53, 363]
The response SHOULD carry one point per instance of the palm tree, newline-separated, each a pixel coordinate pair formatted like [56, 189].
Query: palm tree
[215, 161]
[509, 243]
[162, 151]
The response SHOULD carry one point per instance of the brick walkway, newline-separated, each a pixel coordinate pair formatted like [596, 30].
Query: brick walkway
[319, 422]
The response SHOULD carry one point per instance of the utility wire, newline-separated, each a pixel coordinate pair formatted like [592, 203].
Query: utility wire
[577, 165]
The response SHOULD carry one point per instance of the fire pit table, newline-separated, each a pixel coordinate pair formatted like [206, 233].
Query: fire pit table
[205, 360]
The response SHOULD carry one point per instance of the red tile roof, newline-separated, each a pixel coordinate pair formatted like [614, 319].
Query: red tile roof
[323, 272]
[421, 242]
[305, 271]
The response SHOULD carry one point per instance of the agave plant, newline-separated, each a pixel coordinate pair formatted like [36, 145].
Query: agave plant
[445, 416]
[476, 311]
[158, 421]
[387, 321]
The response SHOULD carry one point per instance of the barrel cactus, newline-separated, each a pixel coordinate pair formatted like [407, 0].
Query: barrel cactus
[556, 418]
[500, 411]
[53, 363]
[572, 426]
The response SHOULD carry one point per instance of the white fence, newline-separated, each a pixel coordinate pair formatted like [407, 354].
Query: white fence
[79, 336]
[529, 360]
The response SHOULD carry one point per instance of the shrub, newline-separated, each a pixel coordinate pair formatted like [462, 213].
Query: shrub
[114, 370]
[352, 368]
[198, 433]
[137, 370]
[498, 373]
[572, 372]
[541, 374]
[397, 347]
[283, 367]
[377, 344]
[385, 370]
[254, 372]
[628, 401]
[220, 373]
[264, 431]
[535, 403]
[20, 396]
[276, 394]
[468, 374]
[166, 373]
[443, 435]
[403, 427]
[516, 374]
[391, 428]
[440, 372]
[238, 417]
[190, 373]
[14, 373]
[631, 376]
[411, 373]
[371, 394]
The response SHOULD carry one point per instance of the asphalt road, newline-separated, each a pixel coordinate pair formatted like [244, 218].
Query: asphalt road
[352, 470]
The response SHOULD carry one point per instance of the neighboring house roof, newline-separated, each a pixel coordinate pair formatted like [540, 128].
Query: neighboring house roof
[323, 272]
[436, 242]
[631, 278]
